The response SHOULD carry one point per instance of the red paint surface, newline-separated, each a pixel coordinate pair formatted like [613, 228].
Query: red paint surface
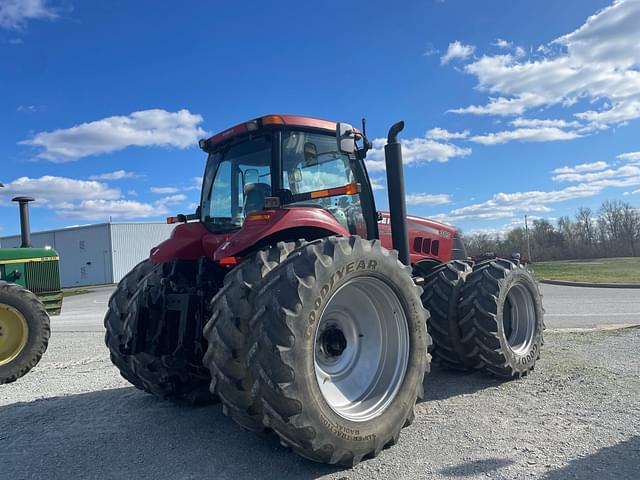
[185, 242]
[282, 219]
[421, 227]
[190, 241]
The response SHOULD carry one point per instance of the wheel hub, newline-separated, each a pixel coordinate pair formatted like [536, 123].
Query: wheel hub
[14, 333]
[361, 349]
[333, 342]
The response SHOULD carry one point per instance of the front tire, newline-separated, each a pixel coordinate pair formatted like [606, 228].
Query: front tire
[342, 349]
[24, 331]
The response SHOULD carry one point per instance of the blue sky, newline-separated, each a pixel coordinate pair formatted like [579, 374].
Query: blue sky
[511, 107]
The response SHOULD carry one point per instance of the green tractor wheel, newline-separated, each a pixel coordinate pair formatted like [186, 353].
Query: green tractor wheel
[24, 331]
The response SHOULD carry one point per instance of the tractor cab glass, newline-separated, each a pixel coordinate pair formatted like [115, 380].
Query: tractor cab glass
[236, 183]
[239, 178]
[311, 162]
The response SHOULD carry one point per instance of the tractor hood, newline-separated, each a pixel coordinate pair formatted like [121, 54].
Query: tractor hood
[26, 254]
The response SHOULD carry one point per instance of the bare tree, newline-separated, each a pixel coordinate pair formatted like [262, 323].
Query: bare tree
[630, 226]
[611, 216]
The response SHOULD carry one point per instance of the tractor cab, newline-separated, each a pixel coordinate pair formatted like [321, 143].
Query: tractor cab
[287, 162]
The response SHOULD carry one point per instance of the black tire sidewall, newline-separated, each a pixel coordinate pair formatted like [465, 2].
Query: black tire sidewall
[314, 301]
[37, 320]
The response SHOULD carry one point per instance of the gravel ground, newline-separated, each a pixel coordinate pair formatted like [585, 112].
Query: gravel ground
[577, 416]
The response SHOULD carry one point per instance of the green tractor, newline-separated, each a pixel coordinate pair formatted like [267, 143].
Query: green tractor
[29, 293]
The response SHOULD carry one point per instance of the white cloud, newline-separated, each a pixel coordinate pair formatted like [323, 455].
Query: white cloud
[443, 134]
[14, 14]
[542, 134]
[631, 156]
[51, 191]
[109, 209]
[583, 167]
[415, 150]
[27, 108]
[377, 183]
[172, 199]
[196, 184]
[80, 199]
[457, 50]
[501, 43]
[430, 51]
[144, 128]
[598, 61]
[589, 179]
[163, 190]
[622, 172]
[505, 205]
[428, 199]
[500, 106]
[117, 175]
[537, 123]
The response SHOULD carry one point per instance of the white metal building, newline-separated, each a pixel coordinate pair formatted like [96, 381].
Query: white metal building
[98, 254]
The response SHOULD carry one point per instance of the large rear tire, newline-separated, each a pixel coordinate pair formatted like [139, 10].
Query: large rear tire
[341, 351]
[229, 335]
[502, 319]
[152, 350]
[441, 294]
[24, 331]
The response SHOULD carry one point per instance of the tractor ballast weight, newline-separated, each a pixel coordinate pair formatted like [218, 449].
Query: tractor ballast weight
[290, 299]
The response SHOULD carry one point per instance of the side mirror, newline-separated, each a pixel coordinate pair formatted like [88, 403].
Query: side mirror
[346, 138]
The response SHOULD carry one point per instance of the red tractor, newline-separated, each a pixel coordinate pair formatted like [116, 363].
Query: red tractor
[289, 298]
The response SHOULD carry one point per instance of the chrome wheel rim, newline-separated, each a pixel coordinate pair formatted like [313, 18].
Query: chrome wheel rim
[14, 333]
[519, 319]
[361, 349]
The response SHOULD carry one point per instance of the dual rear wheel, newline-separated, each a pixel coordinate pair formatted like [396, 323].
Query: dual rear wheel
[488, 317]
[323, 342]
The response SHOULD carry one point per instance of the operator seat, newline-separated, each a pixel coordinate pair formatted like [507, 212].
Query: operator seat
[254, 195]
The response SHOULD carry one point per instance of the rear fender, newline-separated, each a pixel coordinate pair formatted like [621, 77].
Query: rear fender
[185, 243]
[271, 226]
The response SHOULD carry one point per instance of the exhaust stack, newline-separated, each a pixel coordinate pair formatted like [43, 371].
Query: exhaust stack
[25, 229]
[395, 185]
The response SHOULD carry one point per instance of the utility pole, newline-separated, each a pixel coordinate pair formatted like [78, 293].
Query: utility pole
[526, 232]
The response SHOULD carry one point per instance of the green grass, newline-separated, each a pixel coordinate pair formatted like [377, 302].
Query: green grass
[598, 270]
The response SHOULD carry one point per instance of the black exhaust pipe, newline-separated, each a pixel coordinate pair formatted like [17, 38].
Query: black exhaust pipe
[25, 229]
[395, 185]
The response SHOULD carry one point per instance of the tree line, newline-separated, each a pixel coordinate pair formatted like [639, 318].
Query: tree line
[611, 231]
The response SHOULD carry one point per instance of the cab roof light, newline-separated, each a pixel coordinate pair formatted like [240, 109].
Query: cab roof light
[272, 120]
[252, 126]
